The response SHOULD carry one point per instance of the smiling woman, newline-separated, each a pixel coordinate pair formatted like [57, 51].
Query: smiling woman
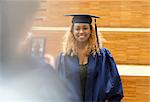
[90, 69]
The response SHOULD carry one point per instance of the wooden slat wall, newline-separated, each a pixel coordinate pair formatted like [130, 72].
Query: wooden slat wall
[129, 47]
[114, 13]
[53, 41]
[136, 88]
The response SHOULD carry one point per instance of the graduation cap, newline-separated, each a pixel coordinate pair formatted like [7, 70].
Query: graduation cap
[85, 18]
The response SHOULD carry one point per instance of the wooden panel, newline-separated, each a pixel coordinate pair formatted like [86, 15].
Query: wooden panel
[136, 88]
[53, 41]
[127, 48]
[114, 13]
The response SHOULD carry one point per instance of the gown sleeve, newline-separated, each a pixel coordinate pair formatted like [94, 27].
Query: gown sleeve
[114, 89]
[59, 66]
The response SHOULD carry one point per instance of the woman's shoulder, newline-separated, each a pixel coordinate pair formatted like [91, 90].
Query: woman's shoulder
[105, 52]
[63, 56]
[60, 54]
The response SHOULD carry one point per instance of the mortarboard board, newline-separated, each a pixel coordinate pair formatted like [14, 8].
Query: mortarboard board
[84, 18]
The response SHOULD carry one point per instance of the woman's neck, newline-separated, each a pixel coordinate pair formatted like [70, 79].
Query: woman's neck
[81, 53]
[81, 45]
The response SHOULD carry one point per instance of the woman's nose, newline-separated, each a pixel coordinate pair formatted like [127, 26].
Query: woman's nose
[81, 31]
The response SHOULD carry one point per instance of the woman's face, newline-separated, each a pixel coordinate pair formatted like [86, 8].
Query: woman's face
[81, 32]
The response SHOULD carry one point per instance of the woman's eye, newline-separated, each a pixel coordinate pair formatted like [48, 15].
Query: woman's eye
[77, 29]
[85, 28]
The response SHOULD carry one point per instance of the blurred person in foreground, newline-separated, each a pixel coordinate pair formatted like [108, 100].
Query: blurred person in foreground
[24, 78]
[89, 67]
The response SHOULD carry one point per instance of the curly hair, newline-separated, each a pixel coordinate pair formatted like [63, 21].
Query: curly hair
[70, 45]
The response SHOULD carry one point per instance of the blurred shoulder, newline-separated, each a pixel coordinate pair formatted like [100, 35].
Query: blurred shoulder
[61, 54]
[40, 63]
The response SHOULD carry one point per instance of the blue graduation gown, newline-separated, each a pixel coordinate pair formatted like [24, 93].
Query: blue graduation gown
[103, 80]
